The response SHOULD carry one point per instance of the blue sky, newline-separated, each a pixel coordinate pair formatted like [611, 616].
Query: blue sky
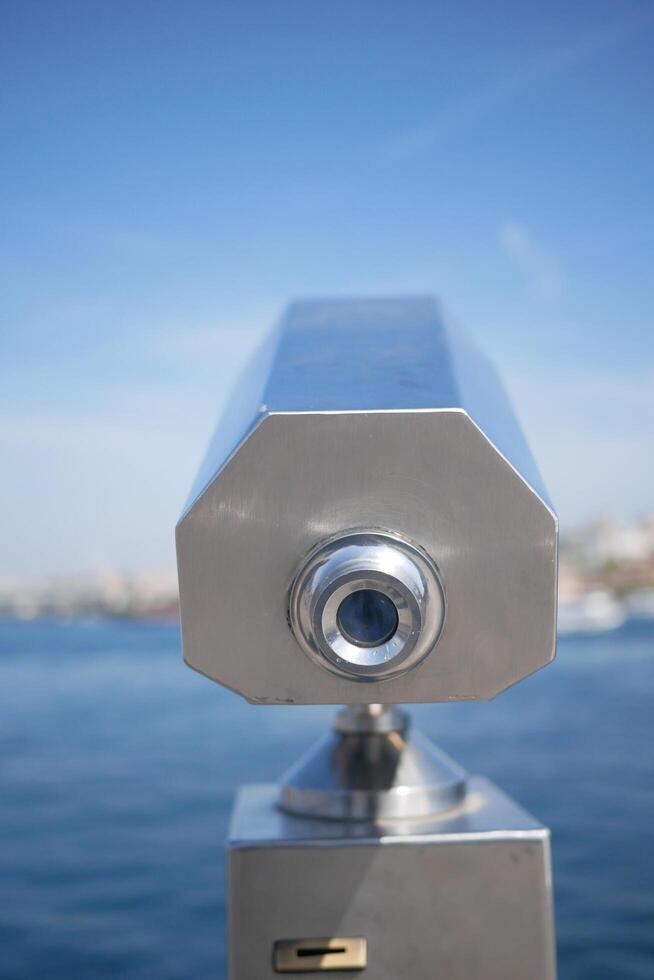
[173, 173]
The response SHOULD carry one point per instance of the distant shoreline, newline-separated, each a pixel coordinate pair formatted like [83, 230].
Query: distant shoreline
[592, 625]
[606, 575]
[62, 619]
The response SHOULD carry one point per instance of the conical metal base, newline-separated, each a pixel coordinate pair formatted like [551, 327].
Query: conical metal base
[368, 768]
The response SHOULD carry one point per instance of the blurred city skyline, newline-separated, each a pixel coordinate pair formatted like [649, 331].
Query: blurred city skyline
[174, 173]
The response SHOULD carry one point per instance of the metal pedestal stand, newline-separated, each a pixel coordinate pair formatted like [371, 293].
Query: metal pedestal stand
[379, 856]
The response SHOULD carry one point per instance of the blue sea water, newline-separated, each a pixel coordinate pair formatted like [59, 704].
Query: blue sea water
[118, 766]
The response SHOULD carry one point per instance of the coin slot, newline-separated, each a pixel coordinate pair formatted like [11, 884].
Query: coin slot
[321, 950]
[317, 955]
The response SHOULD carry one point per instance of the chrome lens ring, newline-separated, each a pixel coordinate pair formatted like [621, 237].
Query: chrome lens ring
[371, 563]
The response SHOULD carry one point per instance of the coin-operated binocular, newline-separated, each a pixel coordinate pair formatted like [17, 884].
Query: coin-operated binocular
[369, 529]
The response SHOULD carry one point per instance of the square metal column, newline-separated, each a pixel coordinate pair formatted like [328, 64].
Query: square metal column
[462, 896]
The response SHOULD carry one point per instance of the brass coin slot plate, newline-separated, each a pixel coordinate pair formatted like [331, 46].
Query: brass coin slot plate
[319, 955]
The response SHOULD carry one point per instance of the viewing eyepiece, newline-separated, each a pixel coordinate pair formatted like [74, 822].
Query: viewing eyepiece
[367, 605]
[367, 618]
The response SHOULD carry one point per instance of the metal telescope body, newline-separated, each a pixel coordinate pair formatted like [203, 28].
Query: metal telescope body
[369, 529]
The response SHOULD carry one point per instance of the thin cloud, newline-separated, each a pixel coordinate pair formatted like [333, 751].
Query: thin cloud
[555, 61]
[540, 268]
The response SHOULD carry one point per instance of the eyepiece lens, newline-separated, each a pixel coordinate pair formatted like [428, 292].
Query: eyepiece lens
[367, 618]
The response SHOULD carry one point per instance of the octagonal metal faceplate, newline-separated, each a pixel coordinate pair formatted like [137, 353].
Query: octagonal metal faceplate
[369, 414]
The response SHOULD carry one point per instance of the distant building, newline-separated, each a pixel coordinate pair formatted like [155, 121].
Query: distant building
[148, 594]
[607, 542]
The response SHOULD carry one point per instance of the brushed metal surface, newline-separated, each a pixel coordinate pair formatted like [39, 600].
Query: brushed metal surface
[393, 354]
[364, 421]
[466, 896]
[258, 821]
